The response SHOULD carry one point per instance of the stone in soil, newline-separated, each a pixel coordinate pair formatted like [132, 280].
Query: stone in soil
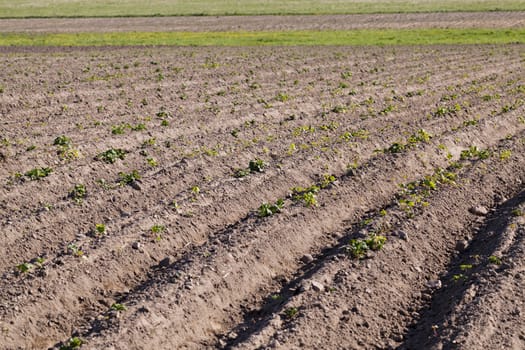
[307, 258]
[479, 210]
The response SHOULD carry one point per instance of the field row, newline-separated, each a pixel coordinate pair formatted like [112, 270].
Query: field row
[243, 198]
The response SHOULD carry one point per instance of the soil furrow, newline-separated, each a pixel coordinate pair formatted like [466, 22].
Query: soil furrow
[187, 242]
[398, 274]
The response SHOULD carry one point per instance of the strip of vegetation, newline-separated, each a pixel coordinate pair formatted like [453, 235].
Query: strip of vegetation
[272, 38]
[129, 8]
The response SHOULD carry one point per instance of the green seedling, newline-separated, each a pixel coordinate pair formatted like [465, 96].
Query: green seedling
[157, 230]
[465, 267]
[78, 193]
[39, 262]
[100, 229]
[118, 307]
[358, 248]
[73, 343]
[257, 165]
[339, 109]
[241, 173]
[420, 136]
[291, 312]
[472, 122]
[38, 173]
[459, 277]
[111, 155]
[152, 161]
[163, 114]
[62, 141]
[118, 129]
[396, 147]
[494, 260]
[75, 250]
[282, 97]
[307, 195]
[310, 200]
[376, 242]
[267, 209]
[327, 180]
[24, 267]
[67, 153]
[505, 154]
[195, 190]
[149, 142]
[138, 127]
[474, 153]
[127, 179]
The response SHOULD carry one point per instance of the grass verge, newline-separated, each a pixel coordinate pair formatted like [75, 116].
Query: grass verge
[275, 38]
[112, 8]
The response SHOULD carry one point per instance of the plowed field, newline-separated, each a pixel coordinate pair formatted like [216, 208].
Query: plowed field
[246, 198]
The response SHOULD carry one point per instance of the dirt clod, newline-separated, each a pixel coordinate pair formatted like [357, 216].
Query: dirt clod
[307, 258]
[317, 286]
[479, 210]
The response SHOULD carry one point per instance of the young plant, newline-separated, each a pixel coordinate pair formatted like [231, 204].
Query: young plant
[157, 230]
[307, 195]
[75, 250]
[505, 154]
[257, 165]
[111, 155]
[474, 153]
[267, 209]
[118, 307]
[62, 141]
[72, 344]
[78, 193]
[118, 129]
[100, 229]
[24, 267]
[291, 312]
[494, 260]
[241, 173]
[396, 147]
[195, 190]
[38, 173]
[327, 180]
[309, 199]
[358, 248]
[128, 179]
[152, 161]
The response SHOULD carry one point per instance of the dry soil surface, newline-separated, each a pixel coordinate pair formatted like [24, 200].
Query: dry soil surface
[423, 147]
[266, 23]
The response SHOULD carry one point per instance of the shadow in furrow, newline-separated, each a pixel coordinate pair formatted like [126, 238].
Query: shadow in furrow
[427, 331]
[257, 319]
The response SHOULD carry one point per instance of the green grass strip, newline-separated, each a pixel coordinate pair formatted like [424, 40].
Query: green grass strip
[277, 38]
[123, 8]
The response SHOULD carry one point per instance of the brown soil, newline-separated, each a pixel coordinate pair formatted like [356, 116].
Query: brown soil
[220, 276]
[258, 23]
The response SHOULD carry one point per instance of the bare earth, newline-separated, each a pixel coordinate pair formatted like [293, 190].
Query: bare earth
[422, 145]
[218, 275]
[259, 23]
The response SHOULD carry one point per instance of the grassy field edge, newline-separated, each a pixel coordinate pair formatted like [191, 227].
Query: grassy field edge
[275, 38]
[129, 8]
